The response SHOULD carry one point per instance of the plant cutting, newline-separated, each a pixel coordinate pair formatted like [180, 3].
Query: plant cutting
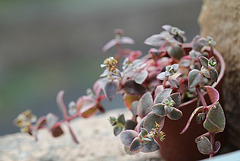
[175, 82]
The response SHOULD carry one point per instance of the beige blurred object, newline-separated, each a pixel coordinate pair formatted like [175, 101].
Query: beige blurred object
[220, 19]
[97, 143]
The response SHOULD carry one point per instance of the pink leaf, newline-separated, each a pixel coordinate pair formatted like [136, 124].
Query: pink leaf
[212, 93]
[61, 104]
[72, 134]
[109, 45]
[126, 40]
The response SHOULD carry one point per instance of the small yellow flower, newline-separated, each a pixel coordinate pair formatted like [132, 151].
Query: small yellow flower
[24, 120]
[155, 132]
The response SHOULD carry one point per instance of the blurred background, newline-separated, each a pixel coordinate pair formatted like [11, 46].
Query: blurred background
[47, 46]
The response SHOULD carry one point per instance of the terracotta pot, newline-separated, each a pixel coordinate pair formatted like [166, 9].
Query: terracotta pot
[182, 147]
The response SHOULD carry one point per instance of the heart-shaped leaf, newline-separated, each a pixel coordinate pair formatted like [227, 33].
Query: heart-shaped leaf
[141, 76]
[158, 109]
[204, 145]
[110, 90]
[162, 76]
[175, 114]
[204, 61]
[144, 105]
[134, 108]
[150, 120]
[157, 39]
[173, 82]
[212, 93]
[213, 74]
[161, 96]
[176, 97]
[128, 136]
[215, 119]
[132, 88]
[121, 120]
[117, 130]
[136, 145]
[129, 99]
[194, 78]
[130, 125]
[176, 52]
[151, 146]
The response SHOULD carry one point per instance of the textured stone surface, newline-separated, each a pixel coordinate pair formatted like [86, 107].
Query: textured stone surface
[97, 143]
[221, 20]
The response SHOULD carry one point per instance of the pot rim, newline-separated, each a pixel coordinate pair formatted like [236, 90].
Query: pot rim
[220, 76]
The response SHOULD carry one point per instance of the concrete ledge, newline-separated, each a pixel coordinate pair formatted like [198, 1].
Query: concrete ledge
[97, 143]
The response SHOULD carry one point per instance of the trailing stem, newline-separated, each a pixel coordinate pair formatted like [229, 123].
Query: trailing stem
[212, 136]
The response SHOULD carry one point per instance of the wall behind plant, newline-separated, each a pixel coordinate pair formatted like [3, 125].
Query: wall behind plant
[46, 46]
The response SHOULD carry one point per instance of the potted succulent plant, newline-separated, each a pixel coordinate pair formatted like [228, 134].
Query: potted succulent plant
[165, 90]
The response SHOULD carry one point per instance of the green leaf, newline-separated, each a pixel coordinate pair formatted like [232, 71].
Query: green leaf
[204, 145]
[204, 61]
[205, 72]
[175, 114]
[126, 149]
[194, 78]
[151, 146]
[144, 105]
[132, 88]
[176, 52]
[213, 74]
[144, 132]
[128, 136]
[151, 118]
[168, 109]
[200, 117]
[112, 120]
[121, 120]
[176, 97]
[161, 96]
[134, 108]
[185, 62]
[136, 145]
[110, 90]
[130, 125]
[117, 130]
[215, 119]
[173, 82]
[158, 109]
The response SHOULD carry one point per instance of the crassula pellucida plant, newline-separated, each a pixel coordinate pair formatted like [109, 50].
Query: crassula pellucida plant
[153, 87]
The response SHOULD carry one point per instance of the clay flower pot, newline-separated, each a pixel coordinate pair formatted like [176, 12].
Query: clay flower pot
[182, 147]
